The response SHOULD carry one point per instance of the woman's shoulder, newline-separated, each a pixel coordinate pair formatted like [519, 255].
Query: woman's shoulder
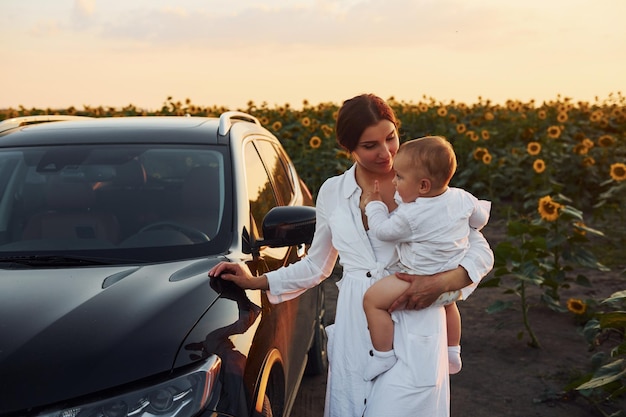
[338, 182]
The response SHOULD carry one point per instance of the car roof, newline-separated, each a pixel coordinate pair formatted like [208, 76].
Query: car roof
[132, 129]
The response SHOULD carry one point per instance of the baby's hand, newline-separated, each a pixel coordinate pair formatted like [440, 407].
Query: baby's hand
[373, 195]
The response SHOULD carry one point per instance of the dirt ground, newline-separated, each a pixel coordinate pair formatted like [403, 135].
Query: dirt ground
[502, 375]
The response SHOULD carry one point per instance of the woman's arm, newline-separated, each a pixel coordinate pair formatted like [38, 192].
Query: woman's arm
[424, 290]
[290, 281]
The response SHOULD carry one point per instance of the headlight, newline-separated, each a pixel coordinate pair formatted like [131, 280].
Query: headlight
[183, 396]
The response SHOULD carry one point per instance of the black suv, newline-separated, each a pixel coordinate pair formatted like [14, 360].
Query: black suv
[108, 227]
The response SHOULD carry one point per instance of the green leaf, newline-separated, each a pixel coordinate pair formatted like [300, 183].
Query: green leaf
[614, 320]
[605, 375]
[499, 306]
[616, 296]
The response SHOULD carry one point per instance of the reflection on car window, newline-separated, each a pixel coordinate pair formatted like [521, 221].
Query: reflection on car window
[278, 170]
[259, 187]
[110, 196]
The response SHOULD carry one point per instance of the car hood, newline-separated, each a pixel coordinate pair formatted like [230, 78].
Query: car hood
[69, 332]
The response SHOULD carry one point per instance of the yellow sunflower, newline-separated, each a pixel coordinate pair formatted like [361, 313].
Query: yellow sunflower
[576, 306]
[588, 161]
[579, 227]
[596, 116]
[472, 135]
[561, 117]
[606, 140]
[264, 120]
[588, 143]
[580, 149]
[539, 166]
[533, 148]
[479, 152]
[306, 122]
[541, 114]
[487, 158]
[327, 130]
[554, 132]
[315, 142]
[423, 107]
[461, 128]
[453, 118]
[442, 111]
[277, 125]
[548, 209]
[618, 171]
[342, 155]
[489, 116]
[485, 134]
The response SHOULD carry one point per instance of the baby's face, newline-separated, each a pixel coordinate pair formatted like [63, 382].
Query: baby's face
[407, 178]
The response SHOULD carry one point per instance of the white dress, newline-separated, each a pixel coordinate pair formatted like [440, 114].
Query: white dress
[409, 389]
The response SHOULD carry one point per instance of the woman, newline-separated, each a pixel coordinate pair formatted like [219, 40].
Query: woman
[367, 127]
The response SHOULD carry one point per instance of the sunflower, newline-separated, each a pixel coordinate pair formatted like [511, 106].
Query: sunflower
[596, 116]
[554, 132]
[489, 116]
[539, 166]
[315, 142]
[561, 117]
[588, 143]
[533, 148]
[264, 120]
[461, 128]
[588, 161]
[453, 118]
[472, 135]
[423, 107]
[327, 130]
[485, 134]
[548, 209]
[576, 306]
[618, 171]
[479, 153]
[541, 114]
[342, 155]
[306, 122]
[579, 227]
[606, 140]
[580, 149]
[442, 111]
[487, 158]
[277, 125]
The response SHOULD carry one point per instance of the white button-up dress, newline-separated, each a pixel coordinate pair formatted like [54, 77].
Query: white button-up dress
[418, 385]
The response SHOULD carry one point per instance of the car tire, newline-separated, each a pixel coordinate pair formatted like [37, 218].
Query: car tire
[317, 361]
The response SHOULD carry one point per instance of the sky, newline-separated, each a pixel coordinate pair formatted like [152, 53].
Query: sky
[61, 53]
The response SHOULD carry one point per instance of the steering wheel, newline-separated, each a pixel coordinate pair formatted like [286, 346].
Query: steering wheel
[192, 233]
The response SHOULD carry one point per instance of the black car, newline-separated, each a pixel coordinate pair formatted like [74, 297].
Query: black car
[108, 227]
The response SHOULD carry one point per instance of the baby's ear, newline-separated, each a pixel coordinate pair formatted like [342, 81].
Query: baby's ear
[424, 185]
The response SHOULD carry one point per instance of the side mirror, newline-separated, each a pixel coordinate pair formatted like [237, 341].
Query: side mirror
[288, 226]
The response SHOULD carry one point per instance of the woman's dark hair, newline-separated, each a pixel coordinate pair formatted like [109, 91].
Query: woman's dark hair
[359, 113]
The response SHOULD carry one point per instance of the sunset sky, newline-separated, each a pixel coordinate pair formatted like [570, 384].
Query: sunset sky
[60, 53]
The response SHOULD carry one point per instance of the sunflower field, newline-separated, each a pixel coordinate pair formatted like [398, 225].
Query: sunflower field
[555, 172]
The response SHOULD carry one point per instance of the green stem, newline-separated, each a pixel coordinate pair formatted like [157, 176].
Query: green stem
[533, 339]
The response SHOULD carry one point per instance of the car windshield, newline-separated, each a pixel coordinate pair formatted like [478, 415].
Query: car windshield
[130, 203]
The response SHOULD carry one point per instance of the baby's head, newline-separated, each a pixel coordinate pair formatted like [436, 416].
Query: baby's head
[431, 157]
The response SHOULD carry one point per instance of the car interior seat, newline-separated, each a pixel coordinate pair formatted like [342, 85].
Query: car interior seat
[70, 213]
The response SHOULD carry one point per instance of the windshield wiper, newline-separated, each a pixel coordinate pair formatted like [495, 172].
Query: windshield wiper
[54, 260]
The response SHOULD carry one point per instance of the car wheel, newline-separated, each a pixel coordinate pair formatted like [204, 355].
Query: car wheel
[317, 362]
[267, 408]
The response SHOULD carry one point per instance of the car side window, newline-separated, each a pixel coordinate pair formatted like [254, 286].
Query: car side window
[278, 169]
[260, 192]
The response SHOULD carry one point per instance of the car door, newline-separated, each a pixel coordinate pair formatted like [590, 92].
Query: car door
[291, 324]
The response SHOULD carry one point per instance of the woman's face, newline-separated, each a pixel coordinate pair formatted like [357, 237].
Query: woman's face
[377, 147]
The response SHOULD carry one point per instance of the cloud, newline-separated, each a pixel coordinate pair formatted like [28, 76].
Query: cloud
[84, 8]
[448, 24]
